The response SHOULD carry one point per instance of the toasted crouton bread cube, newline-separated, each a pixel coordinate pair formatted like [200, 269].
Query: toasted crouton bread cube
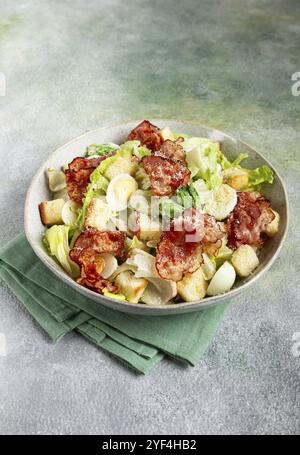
[131, 286]
[244, 260]
[149, 229]
[98, 214]
[50, 212]
[273, 227]
[236, 178]
[121, 165]
[193, 286]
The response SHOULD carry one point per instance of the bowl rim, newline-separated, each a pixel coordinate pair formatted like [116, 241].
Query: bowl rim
[150, 310]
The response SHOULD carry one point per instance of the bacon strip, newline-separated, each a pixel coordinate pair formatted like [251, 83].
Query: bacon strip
[92, 264]
[87, 254]
[248, 220]
[148, 134]
[172, 150]
[180, 249]
[213, 235]
[165, 175]
[99, 241]
[78, 176]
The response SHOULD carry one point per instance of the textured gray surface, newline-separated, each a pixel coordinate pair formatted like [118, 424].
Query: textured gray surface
[71, 67]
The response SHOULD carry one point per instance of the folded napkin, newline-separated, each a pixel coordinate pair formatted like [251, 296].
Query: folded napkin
[139, 341]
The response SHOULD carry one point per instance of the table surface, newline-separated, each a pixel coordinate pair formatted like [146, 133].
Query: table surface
[72, 66]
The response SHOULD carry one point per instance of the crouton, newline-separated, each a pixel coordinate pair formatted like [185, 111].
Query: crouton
[98, 214]
[148, 229]
[131, 286]
[236, 178]
[50, 212]
[121, 165]
[244, 260]
[273, 227]
[193, 286]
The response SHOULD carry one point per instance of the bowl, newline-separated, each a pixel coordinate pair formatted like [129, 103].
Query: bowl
[38, 191]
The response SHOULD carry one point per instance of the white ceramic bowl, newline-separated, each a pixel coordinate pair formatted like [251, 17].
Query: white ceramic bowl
[38, 191]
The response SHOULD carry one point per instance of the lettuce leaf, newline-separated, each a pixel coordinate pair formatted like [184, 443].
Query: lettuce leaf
[56, 240]
[131, 244]
[168, 208]
[262, 174]
[188, 196]
[135, 148]
[101, 149]
[100, 170]
[119, 296]
[185, 197]
[140, 152]
[224, 254]
[202, 160]
[97, 187]
[202, 190]
[226, 164]
[142, 179]
[98, 183]
[56, 179]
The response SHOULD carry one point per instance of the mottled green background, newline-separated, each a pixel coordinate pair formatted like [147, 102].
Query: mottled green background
[75, 65]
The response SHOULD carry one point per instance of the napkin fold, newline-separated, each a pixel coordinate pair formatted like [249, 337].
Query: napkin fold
[139, 341]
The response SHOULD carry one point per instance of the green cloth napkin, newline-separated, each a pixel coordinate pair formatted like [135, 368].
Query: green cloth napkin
[139, 341]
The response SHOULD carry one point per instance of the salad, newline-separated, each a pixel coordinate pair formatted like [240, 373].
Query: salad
[162, 218]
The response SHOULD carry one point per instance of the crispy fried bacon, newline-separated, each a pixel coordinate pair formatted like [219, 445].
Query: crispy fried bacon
[213, 235]
[87, 254]
[78, 176]
[175, 256]
[180, 249]
[172, 150]
[165, 175]
[247, 222]
[99, 241]
[148, 134]
[92, 265]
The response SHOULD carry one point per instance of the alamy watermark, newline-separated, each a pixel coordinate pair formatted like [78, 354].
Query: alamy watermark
[296, 86]
[2, 84]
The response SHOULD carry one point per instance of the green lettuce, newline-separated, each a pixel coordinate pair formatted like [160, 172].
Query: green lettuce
[98, 183]
[226, 164]
[168, 208]
[56, 240]
[100, 149]
[188, 196]
[135, 148]
[224, 254]
[97, 187]
[185, 197]
[262, 174]
[119, 296]
[202, 160]
[142, 179]
[195, 195]
[102, 168]
[202, 190]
